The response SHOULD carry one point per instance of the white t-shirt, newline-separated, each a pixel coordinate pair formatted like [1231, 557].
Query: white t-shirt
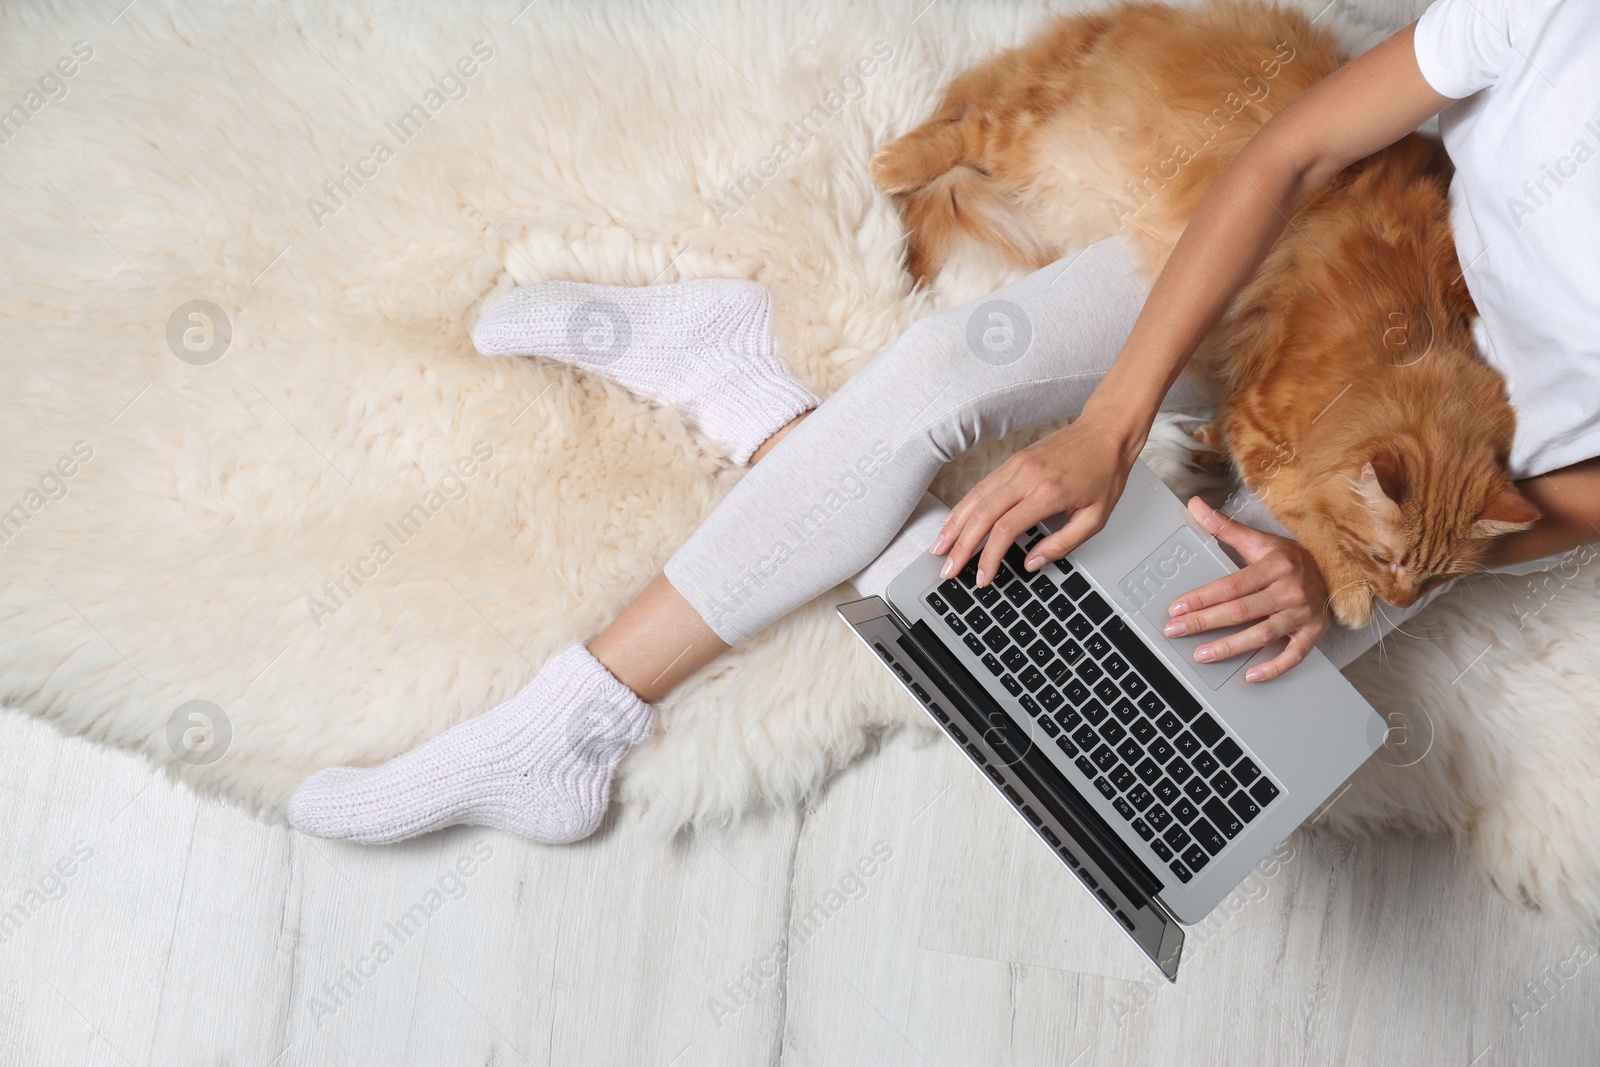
[1525, 204]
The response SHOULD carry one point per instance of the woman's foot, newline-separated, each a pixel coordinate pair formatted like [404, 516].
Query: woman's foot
[538, 766]
[704, 346]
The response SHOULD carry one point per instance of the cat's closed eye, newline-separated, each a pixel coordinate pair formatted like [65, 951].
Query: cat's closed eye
[1381, 560]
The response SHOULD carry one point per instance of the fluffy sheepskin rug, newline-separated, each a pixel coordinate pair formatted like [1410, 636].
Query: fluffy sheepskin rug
[269, 512]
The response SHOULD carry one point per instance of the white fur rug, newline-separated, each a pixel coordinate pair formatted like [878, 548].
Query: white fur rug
[195, 540]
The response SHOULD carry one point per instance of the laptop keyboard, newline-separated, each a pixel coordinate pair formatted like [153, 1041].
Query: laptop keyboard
[1171, 770]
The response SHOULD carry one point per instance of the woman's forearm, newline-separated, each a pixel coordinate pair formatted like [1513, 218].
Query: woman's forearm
[1224, 243]
[1569, 502]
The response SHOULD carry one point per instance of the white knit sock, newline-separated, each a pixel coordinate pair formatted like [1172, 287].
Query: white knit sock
[538, 765]
[705, 346]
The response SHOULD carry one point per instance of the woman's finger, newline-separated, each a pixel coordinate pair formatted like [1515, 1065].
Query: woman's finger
[1228, 613]
[983, 508]
[1082, 524]
[1261, 634]
[1235, 585]
[1300, 644]
[1023, 514]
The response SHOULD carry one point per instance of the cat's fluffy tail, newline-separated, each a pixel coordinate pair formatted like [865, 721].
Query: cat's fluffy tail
[962, 201]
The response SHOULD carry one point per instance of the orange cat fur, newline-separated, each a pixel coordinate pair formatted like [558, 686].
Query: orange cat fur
[1352, 398]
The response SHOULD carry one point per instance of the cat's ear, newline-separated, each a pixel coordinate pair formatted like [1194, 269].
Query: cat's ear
[1506, 511]
[1381, 483]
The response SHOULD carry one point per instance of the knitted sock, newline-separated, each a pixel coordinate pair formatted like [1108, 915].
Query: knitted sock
[705, 346]
[538, 765]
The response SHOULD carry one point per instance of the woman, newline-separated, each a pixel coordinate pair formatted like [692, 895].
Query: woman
[835, 485]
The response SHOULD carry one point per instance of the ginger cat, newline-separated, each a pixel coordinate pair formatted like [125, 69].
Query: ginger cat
[1353, 400]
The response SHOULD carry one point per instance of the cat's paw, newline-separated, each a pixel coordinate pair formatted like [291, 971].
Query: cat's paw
[1354, 605]
[897, 169]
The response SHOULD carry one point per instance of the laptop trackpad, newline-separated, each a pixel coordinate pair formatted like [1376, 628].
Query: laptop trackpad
[1181, 564]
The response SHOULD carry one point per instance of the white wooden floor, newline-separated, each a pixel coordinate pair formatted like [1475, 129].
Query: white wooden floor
[188, 933]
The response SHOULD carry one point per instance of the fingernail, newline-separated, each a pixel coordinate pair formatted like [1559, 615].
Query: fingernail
[1175, 628]
[1179, 607]
[948, 569]
[1253, 675]
[983, 577]
[940, 544]
[1033, 563]
[1205, 653]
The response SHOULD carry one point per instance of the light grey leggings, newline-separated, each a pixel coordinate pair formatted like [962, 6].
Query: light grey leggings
[831, 501]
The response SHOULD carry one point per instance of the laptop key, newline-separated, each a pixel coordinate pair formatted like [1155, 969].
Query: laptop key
[1187, 743]
[1075, 585]
[1115, 665]
[951, 591]
[1223, 783]
[1014, 660]
[1168, 790]
[1097, 645]
[1168, 724]
[1041, 652]
[1113, 731]
[1134, 685]
[956, 623]
[1228, 751]
[1183, 873]
[1090, 671]
[988, 596]
[1158, 817]
[1056, 671]
[1246, 771]
[1030, 705]
[1161, 749]
[1050, 697]
[1053, 632]
[1243, 806]
[1093, 710]
[1013, 686]
[978, 647]
[979, 619]
[1023, 634]
[1143, 730]
[1032, 679]
[1122, 778]
[1179, 771]
[1084, 765]
[1142, 828]
[1086, 737]
[1018, 593]
[1079, 625]
[1197, 790]
[1208, 836]
[1107, 691]
[1103, 757]
[1105, 787]
[1048, 725]
[1264, 792]
[1014, 556]
[1124, 809]
[1095, 606]
[1148, 771]
[1124, 710]
[1185, 812]
[1152, 706]
[1159, 847]
[1069, 718]
[937, 603]
[1207, 729]
[1077, 692]
[1064, 743]
[1037, 614]
[996, 639]
[1004, 613]
[1176, 837]
[1196, 858]
[1140, 797]
[1223, 818]
[1129, 750]
[1061, 607]
[1206, 764]
[1042, 586]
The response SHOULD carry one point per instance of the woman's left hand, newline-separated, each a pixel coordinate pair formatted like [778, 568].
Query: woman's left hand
[1280, 585]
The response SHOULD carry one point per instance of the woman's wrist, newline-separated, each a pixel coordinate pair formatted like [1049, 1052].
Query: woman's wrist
[1124, 423]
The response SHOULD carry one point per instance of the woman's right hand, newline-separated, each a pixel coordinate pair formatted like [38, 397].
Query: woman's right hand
[1080, 468]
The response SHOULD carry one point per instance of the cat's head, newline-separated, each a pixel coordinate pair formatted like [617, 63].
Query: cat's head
[1410, 518]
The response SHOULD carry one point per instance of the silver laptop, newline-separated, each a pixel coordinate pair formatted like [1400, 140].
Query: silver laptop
[1160, 782]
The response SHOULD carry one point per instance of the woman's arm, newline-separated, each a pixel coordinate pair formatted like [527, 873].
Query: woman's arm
[1364, 106]
[1569, 502]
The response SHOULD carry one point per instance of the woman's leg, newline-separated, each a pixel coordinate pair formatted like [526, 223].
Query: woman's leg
[819, 509]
